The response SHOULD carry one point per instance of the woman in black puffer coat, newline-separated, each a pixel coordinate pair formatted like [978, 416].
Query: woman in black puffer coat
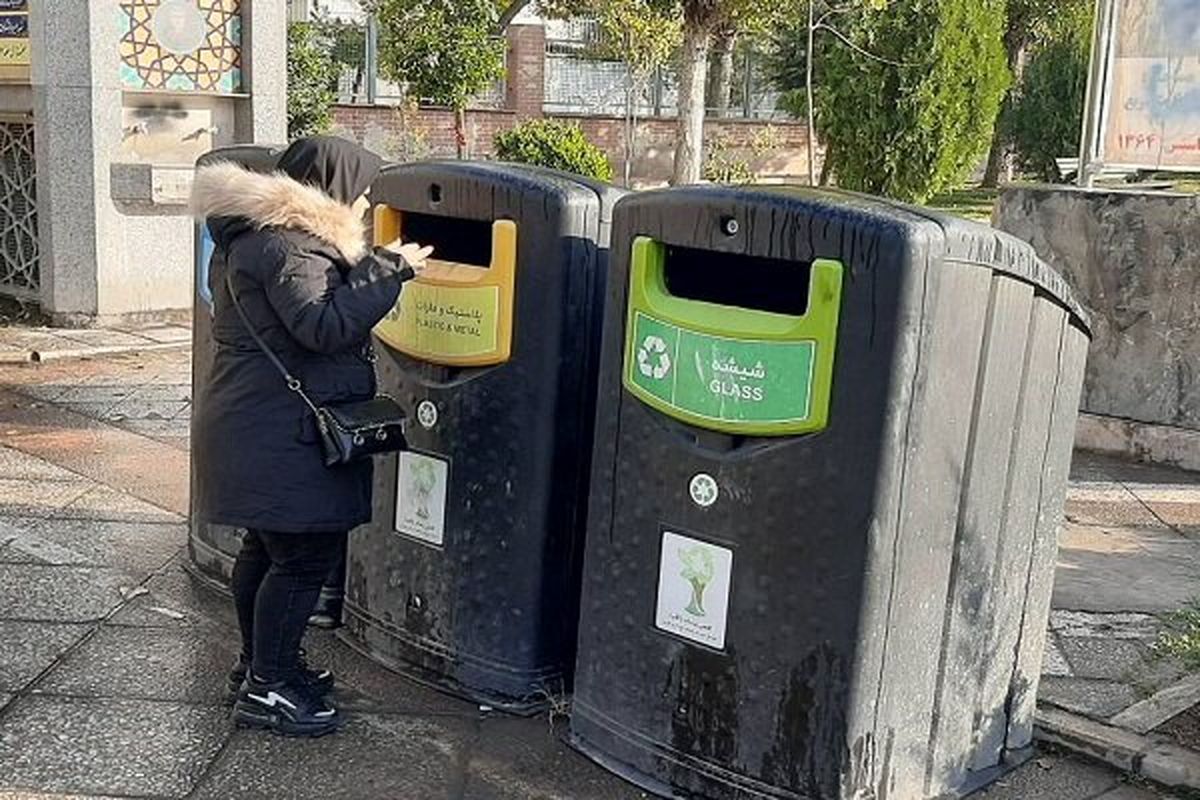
[293, 243]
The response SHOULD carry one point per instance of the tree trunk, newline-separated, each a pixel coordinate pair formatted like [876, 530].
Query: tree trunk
[999, 166]
[826, 166]
[721, 91]
[460, 131]
[693, 73]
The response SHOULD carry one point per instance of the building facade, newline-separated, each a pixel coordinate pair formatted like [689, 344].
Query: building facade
[104, 107]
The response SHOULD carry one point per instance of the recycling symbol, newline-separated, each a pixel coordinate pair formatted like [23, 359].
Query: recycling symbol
[653, 360]
[703, 489]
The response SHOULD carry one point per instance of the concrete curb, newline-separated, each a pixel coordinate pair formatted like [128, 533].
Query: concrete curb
[1149, 757]
[67, 354]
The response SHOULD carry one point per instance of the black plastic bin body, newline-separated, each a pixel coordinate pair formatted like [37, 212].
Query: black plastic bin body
[213, 548]
[890, 575]
[486, 605]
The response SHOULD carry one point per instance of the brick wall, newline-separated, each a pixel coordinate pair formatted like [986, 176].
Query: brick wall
[406, 134]
[773, 150]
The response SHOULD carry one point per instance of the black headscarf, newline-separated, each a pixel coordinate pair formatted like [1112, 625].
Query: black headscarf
[341, 169]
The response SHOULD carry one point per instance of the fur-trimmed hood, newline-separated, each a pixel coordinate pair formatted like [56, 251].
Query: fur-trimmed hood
[275, 200]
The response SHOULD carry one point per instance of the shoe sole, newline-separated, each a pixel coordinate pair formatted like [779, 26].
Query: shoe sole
[254, 719]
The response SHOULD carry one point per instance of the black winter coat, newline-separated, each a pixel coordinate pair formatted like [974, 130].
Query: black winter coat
[302, 275]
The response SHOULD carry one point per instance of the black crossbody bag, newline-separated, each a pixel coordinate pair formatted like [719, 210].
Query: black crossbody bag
[349, 431]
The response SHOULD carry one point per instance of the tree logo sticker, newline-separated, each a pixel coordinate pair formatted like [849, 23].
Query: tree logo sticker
[698, 571]
[652, 358]
[421, 493]
[694, 582]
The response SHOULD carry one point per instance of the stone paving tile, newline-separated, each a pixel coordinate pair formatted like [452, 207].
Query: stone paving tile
[102, 394]
[163, 334]
[137, 409]
[1107, 504]
[59, 594]
[374, 757]
[1110, 659]
[163, 393]
[1125, 570]
[28, 498]
[157, 663]
[103, 503]
[522, 759]
[46, 392]
[117, 747]
[31, 647]
[103, 337]
[136, 546]
[16, 465]
[1128, 792]
[1092, 698]
[1054, 663]
[1052, 778]
[169, 429]
[175, 600]
[1109, 626]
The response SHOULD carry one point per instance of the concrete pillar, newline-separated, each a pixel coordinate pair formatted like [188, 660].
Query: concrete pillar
[263, 118]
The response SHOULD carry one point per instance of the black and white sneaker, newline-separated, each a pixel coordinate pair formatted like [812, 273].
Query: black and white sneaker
[317, 680]
[284, 708]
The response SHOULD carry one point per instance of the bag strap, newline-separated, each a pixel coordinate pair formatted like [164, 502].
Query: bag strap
[293, 383]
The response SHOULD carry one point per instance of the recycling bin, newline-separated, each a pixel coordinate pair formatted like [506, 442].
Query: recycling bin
[832, 444]
[213, 548]
[468, 576]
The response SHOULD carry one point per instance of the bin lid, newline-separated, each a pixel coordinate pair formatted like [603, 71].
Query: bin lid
[532, 176]
[964, 242]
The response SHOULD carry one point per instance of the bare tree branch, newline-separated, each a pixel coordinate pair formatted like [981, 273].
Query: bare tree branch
[859, 49]
[510, 13]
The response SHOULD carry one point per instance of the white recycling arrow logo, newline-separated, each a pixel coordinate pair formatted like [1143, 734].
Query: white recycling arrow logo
[653, 359]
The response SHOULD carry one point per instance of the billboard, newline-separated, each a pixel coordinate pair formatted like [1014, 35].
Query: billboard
[1151, 106]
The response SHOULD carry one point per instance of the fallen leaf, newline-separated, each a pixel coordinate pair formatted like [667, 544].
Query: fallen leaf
[128, 593]
[168, 612]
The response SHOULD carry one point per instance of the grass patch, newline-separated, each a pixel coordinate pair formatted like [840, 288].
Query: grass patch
[972, 202]
[1180, 636]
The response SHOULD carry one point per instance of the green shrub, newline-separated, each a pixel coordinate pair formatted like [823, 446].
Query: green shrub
[909, 109]
[553, 144]
[1046, 116]
[312, 74]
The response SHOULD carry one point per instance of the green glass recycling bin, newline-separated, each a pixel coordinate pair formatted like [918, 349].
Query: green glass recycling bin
[468, 576]
[213, 548]
[832, 444]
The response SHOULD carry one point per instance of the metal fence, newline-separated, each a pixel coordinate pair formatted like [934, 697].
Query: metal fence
[577, 81]
[19, 274]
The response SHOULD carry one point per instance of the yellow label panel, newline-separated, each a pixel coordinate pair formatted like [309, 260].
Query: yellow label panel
[14, 52]
[446, 322]
[454, 314]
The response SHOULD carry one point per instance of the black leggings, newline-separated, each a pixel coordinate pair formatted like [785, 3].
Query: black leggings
[276, 581]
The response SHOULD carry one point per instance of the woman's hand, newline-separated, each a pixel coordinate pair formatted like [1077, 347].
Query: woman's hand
[412, 253]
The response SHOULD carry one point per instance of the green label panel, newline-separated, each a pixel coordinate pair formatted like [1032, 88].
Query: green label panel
[723, 380]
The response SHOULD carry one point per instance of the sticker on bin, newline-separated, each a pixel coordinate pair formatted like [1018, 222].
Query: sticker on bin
[722, 379]
[693, 589]
[421, 490]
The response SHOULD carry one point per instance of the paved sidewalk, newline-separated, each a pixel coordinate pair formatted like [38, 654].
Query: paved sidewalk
[23, 344]
[1130, 554]
[113, 659]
